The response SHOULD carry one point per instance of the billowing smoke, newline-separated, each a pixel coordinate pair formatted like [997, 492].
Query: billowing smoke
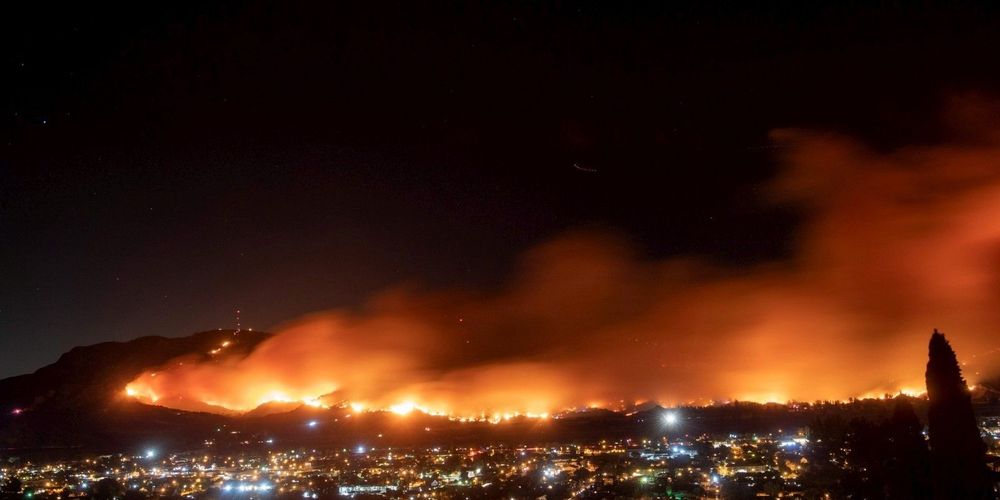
[893, 244]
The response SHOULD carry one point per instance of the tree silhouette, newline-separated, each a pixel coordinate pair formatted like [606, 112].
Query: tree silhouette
[958, 455]
[108, 489]
[11, 488]
[909, 462]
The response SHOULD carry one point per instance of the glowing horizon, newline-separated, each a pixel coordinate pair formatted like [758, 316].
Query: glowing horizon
[406, 408]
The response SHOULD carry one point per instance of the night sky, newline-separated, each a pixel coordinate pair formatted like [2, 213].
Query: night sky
[164, 165]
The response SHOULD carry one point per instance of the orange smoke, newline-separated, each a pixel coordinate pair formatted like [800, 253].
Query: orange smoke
[892, 245]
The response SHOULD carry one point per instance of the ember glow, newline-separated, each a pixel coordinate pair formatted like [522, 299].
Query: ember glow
[892, 245]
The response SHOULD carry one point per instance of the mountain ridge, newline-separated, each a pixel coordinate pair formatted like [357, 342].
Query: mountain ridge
[78, 402]
[100, 369]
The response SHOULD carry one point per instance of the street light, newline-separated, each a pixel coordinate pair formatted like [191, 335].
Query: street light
[670, 418]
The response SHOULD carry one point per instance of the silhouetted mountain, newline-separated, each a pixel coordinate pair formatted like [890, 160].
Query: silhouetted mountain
[958, 454]
[79, 400]
[92, 374]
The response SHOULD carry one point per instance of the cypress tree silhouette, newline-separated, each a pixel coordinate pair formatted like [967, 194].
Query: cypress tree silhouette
[958, 455]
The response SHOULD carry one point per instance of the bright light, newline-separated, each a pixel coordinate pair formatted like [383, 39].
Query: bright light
[361, 449]
[403, 408]
[150, 453]
[277, 396]
[357, 407]
[670, 418]
[312, 423]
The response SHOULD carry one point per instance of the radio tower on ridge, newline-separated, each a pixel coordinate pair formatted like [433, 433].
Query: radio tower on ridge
[237, 332]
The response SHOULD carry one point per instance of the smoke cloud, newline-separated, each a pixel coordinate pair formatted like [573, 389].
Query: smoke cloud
[893, 244]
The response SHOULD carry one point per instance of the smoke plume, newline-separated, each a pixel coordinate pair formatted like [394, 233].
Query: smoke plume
[892, 245]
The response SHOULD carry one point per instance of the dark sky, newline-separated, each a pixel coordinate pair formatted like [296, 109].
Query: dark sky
[162, 165]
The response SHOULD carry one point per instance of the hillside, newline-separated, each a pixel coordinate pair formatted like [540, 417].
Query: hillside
[78, 400]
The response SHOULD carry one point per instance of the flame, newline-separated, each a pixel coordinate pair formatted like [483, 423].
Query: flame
[892, 244]
[141, 392]
[403, 408]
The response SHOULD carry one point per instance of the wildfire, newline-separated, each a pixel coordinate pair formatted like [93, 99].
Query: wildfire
[403, 408]
[891, 245]
[407, 407]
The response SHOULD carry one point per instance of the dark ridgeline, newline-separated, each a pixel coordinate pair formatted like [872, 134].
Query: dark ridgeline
[958, 455]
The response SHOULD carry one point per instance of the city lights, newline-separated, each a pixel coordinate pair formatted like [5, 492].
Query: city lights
[609, 468]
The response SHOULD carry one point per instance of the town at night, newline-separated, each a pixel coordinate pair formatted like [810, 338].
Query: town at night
[670, 463]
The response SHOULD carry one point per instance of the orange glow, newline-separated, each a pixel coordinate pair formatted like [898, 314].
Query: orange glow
[314, 402]
[403, 408]
[892, 245]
